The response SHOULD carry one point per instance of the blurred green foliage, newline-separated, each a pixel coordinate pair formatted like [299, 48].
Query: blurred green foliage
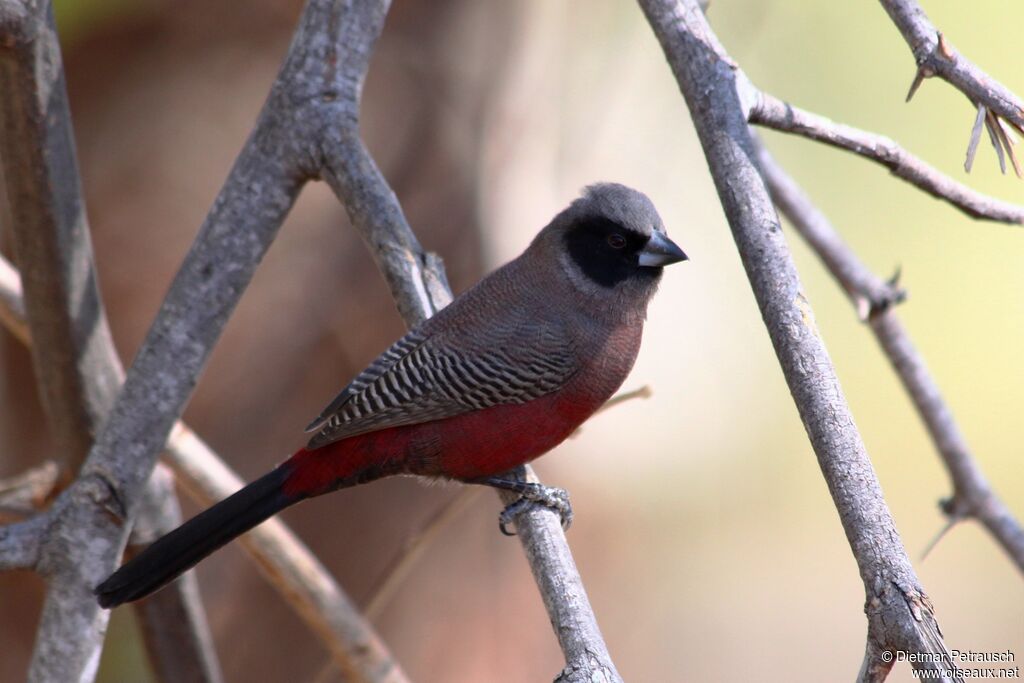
[77, 18]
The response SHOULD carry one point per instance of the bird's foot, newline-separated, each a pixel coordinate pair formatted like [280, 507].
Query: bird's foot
[537, 494]
[531, 493]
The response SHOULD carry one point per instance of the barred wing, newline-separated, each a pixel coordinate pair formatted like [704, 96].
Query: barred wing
[422, 379]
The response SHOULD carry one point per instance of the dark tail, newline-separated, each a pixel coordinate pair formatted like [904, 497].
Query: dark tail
[181, 549]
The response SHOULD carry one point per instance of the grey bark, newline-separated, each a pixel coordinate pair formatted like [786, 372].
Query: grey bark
[972, 496]
[77, 369]
[419, 287]
[180, 647]
[287, 563]
[936, 56]
[283, 559]
[311, 116]
[900, 616]
[89, 523]
[778, 115]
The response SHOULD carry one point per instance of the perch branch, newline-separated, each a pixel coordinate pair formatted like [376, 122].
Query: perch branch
[419, 288]
[76, 367]
[900, 616]
[540, 533]
[972, 494]
[778, 115]
[311, 114]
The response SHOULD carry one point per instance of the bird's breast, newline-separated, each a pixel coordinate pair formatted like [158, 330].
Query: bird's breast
[478, 443]
[502, 437]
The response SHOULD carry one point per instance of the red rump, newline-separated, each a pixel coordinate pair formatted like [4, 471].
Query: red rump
[465, 447]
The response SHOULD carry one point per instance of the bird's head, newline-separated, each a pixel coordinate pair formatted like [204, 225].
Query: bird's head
[611, 245]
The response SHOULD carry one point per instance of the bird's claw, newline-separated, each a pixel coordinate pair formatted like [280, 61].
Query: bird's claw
[537, 494]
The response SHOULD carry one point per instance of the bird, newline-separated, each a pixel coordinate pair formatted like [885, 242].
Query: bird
[500, 376]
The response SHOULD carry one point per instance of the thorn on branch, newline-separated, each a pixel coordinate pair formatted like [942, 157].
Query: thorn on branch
[956, 510]
[972, 146]
[871, 304]
[1001, 133]
[994, 139]
[950, 523]
[1002, 137]
[945, 49]
[923, 72]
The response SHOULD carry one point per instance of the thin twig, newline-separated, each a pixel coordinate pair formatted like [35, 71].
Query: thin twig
[414, 548]
[25, 494]
[936, 56]
[773, 113]
[419, 288]
[179, 646]
[411, 552]
[643, 392]
[12, 304]
[900, 616]
[287, 563]
[972, 495]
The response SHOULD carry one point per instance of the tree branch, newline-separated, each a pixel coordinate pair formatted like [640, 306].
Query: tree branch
[541, 535]
[778, 115]
[900, 616]
[180, 646]
[85, 535]
[287, 564]
[972, 494]
[419, 287]
[19, 543]
[76, 366]
[50, 234]
[936, 56]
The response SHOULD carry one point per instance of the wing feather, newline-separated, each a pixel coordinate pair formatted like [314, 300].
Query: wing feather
[425, 377]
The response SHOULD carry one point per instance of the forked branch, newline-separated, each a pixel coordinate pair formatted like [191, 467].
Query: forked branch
[900, 616]
[773, 113]
[973, 497]
[76, 367]
[307, 128]
[997, 107]
[290, 567]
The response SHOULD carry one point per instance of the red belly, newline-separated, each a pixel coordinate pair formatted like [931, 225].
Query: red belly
[465, 447]
[474, 444]
[497, 439]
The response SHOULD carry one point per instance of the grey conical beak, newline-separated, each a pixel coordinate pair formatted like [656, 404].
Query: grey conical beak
[660, 251]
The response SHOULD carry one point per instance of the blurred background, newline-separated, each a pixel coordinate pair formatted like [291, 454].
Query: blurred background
[704, 531]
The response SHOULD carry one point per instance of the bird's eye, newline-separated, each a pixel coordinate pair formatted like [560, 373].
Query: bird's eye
[616, 241]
